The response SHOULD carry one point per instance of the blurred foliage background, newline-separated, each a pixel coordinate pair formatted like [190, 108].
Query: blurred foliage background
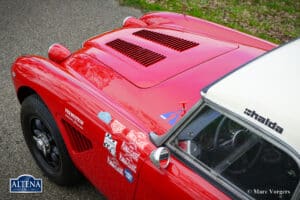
[275, 21]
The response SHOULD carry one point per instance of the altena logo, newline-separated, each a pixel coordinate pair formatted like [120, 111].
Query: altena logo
[25, 184]
[265, 121]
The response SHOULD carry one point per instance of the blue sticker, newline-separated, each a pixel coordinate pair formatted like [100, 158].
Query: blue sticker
[172, 117]
[105, 117]
[128, 175]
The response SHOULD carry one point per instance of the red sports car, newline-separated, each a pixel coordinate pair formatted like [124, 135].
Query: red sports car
[126, 112]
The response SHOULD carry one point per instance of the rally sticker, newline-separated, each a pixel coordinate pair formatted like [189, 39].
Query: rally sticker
[128, 175]
[130, 151]
[172, 117]
[74, 118]
[110, 144]
[117, 127]
[114, 163]
[139, 138]
[105, 117]
[128, 162]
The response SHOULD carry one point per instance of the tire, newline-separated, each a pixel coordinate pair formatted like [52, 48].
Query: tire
[45, 142]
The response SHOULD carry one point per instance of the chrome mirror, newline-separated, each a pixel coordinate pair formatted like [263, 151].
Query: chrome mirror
[160, 157]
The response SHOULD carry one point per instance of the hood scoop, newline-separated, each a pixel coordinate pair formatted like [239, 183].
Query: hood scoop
[172, 42]
[141, 55]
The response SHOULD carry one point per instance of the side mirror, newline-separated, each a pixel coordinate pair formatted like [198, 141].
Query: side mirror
[160, 157]
[58, 53]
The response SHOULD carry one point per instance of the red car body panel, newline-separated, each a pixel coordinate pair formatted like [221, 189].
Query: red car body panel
[99, 79]
[173, 64]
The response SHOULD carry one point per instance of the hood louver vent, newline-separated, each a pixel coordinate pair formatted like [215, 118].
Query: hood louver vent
[172, 42]
[137, 53]
[78, 141]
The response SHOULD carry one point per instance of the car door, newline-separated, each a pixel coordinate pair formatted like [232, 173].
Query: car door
[217, 156]
[177, 181]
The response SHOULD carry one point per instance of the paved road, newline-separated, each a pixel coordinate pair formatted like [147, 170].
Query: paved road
[30, 27]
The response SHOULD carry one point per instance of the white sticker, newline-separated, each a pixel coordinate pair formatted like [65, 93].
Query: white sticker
[114, 163]
[110, 144]
[74, 118]
[130, 151]
[117, 127]
[139, 138]
[128, 162]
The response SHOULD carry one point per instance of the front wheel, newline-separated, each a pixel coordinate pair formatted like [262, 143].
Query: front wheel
[45, 142]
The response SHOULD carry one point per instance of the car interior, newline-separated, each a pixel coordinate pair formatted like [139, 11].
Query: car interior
[240, 156]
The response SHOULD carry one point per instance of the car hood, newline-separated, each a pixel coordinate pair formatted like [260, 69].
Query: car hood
[148, 57]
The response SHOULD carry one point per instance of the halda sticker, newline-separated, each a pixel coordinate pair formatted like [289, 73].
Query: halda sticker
[130, 151]
[114, 163]
[105, 117]
[117, 127]
[265, 121]
[110, 144]
[74, 118]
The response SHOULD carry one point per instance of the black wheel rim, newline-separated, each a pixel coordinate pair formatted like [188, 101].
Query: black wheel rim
[44, 144]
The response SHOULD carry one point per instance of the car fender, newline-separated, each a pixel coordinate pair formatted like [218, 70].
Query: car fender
[44, 77]
[41, 76]
[79, 100]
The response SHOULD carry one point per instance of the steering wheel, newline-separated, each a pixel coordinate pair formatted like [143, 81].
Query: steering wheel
[229, 136]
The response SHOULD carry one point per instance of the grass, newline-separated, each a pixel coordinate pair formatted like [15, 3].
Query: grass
[277, 21]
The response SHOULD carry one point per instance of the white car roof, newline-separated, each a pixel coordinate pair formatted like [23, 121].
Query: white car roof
[266, 91]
